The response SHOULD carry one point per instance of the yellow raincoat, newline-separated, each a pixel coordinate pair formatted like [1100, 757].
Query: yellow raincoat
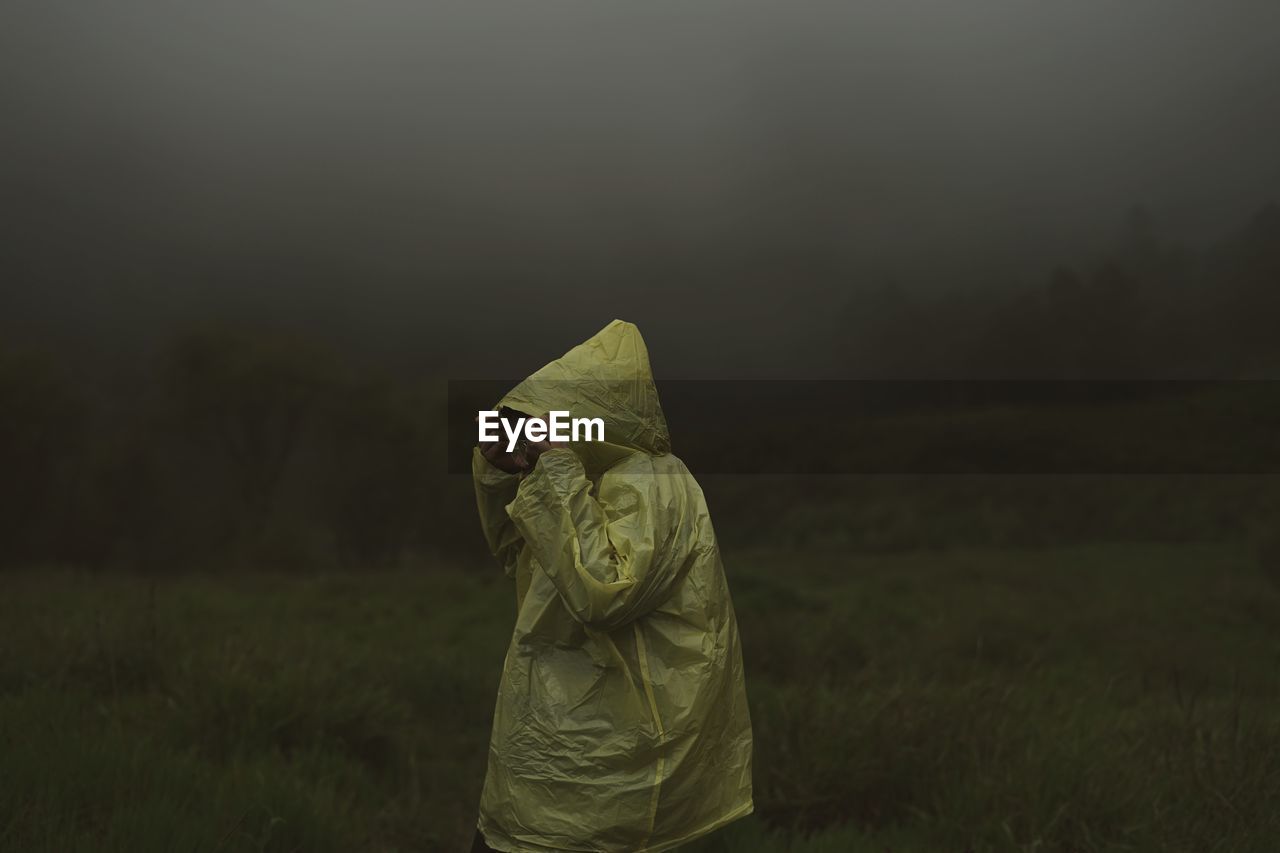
[621, 722]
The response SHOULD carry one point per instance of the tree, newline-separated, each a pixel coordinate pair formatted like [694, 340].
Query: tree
[41, 423]
[249, 397]
[384, 467]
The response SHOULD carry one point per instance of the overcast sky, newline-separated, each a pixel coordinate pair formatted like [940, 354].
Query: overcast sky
[415, 163]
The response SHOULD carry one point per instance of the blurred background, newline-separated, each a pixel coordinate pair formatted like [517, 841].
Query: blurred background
[246, 247]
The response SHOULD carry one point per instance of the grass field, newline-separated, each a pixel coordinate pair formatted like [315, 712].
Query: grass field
[1114, 697]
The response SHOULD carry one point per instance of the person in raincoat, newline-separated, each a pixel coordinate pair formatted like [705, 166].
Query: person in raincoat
[621, 721]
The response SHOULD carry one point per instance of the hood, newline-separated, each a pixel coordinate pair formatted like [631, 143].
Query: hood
[608, 377]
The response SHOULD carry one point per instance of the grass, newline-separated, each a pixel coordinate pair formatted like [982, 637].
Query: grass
[1113, 697]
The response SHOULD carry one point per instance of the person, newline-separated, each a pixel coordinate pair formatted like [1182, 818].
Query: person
[621, 722]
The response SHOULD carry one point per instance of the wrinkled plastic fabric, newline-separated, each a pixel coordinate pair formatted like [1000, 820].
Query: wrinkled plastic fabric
[621, 722]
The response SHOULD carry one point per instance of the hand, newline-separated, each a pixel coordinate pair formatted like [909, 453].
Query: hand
[508, 463]
[535, 449]
[495, 455]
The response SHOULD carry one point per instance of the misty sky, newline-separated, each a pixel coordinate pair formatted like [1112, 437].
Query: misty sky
[418, 168]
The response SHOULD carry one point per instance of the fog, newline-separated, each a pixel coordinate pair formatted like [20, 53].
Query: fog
[468, 182]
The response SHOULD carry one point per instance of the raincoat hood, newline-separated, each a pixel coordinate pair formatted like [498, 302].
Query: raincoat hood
[608, 377]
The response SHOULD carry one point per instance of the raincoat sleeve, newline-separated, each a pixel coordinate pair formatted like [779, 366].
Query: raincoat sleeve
[599, 553]
[494, 490]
